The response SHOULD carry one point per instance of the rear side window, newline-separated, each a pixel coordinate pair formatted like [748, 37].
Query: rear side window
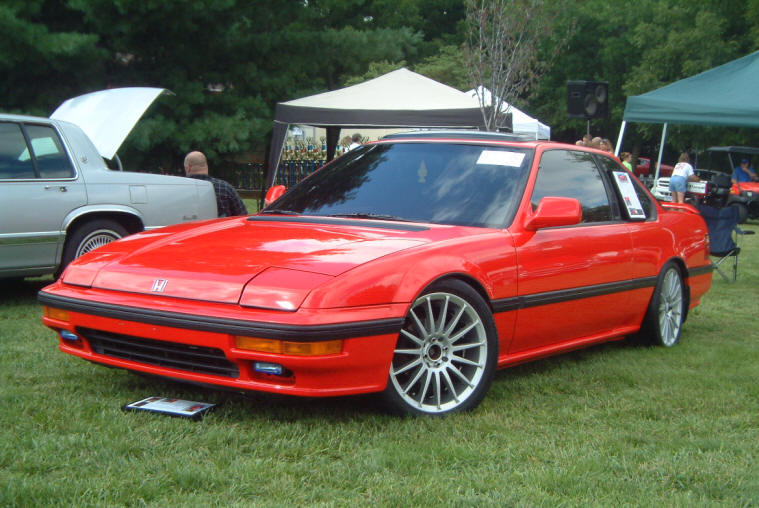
[15, 162]
[52, 160]
[573, 174]
[646, 202]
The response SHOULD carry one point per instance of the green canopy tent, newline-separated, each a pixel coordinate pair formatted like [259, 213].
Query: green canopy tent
[725, 95]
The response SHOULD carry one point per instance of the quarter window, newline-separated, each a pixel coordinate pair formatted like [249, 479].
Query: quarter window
[645, 199]
[52, 160]
[573, 174]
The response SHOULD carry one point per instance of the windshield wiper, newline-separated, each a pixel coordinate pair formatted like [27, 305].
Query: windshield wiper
[280, 212]
[377, 216]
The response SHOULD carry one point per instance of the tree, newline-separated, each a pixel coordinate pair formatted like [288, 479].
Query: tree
[501, 51]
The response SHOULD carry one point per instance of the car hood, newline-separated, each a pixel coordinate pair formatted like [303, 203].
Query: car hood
[216, 260]
[108, 116]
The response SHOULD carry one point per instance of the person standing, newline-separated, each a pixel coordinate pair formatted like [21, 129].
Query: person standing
[228, 202]
[626, 160]
[681, 175]
[356, 141]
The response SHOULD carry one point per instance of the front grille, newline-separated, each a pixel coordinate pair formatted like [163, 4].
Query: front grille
[200, 359]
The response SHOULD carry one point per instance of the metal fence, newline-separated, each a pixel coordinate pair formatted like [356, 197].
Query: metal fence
[251, 176]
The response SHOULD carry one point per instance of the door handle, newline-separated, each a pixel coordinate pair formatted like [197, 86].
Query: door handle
[61, 188]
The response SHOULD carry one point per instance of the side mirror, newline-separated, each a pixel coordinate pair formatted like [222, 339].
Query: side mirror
[274, 193]
[554, 212]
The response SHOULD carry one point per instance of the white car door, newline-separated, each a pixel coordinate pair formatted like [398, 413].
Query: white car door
[39, 186]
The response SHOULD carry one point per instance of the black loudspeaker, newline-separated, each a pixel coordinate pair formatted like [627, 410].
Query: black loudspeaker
[588, 99]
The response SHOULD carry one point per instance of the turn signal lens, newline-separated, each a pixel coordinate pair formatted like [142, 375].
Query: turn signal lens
[59, 314]
[289, 348]
[312, 348]
[255, 344]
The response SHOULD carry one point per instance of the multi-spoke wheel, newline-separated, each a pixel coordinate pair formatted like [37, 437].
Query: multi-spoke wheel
[89, 236]
[445, 355]
[666, 312]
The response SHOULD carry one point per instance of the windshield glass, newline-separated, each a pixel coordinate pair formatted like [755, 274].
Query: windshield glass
[457, 184]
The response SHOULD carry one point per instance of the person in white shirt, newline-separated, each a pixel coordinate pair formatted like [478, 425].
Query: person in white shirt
[356, 141]
[681, 175]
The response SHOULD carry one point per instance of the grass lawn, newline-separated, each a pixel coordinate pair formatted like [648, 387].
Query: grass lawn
[614, 425]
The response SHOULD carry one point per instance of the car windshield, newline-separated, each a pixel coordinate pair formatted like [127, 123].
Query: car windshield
[457, 184]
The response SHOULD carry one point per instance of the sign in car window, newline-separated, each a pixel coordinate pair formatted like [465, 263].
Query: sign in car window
[501, 158]
[630, 197]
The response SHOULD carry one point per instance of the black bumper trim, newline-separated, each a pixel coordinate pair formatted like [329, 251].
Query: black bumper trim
[701, 270]
[565, 295]
[312, 333]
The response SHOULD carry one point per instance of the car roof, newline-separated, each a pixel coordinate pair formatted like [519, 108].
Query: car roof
[734, 149]
[459, 134]
[23, 118]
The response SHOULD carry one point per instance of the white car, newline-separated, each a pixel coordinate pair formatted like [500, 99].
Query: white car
[59, 199]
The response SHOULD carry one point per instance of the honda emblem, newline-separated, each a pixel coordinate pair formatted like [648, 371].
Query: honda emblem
[159, 285]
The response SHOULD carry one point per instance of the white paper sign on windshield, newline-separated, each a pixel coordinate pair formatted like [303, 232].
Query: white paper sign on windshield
[501, 158]
[630, 197]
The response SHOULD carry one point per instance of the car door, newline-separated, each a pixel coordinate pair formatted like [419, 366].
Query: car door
[39, 186]
[572, 279]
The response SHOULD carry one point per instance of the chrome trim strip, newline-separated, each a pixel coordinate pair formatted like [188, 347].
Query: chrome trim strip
[30, 238]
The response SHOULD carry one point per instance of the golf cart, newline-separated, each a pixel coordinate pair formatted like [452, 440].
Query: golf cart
[721, 161]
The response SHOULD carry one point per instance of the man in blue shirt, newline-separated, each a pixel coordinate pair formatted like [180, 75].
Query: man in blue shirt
[744, 173]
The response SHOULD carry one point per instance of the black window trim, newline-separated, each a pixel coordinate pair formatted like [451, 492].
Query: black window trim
[605, 172]
[616, 216]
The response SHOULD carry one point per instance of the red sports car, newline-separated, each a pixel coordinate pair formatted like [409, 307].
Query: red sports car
[414, 266]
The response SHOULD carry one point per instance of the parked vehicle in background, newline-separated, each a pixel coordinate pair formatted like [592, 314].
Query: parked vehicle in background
[59, 199]
[722, 160]
[645, 168]
[414, 266]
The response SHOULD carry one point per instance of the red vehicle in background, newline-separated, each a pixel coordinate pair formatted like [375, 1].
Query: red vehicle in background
[644, 168]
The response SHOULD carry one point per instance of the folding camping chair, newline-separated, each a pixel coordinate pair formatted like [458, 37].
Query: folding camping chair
[725, 236]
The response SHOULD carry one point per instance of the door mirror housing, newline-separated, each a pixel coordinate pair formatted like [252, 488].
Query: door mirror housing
[554, 212]
[274, 193]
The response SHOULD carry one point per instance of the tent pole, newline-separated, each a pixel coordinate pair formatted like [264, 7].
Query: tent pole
[661, 150]
[619, 139]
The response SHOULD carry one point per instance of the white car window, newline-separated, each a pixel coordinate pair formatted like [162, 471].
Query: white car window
[12, 147]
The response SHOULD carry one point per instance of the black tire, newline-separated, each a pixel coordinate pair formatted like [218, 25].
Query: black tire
[742, 212]
[87, 237]
[446, 354]
[667, 310]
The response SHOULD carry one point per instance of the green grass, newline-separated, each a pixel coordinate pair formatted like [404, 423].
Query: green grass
[614, 425]
[251, 204]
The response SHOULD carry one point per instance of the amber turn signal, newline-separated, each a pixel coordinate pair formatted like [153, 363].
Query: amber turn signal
[53, 313]
[329, 347]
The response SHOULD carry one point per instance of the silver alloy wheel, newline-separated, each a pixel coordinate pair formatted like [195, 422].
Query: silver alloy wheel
[670, 307]
[441, 354]
[96, 239]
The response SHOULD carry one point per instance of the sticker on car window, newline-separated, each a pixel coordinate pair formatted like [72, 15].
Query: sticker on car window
[501, 158]
[630, 197]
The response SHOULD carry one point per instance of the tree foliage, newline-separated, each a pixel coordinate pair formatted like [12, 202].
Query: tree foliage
[638, 46]
[501, 51]
[228, 62]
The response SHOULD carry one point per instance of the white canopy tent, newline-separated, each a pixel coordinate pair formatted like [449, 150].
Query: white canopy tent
[397, 99]
[522, 123]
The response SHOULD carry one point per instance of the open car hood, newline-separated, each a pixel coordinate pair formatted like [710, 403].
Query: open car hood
[108, 116]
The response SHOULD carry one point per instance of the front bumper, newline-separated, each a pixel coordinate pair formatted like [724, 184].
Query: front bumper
[149, 335]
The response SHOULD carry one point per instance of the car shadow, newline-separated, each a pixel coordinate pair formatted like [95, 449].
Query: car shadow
[247, 406]
[22, 291]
